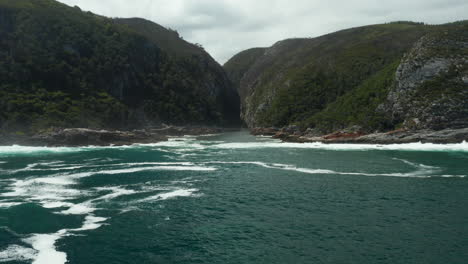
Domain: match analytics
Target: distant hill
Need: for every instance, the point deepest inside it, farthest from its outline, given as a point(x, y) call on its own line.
point(377, 77)
point(61, 67)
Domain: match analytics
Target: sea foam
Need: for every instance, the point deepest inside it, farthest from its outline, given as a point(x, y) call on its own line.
point(171, 195)
point(17, 253)
point(461, 147)
point(19, 150)
point(43, 249)
point(422, 171)
point(44, 244)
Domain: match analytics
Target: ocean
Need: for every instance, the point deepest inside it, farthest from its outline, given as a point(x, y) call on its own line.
point(234, 198)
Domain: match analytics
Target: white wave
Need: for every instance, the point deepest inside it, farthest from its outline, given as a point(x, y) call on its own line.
point(91, 222)
point(79, 209)
point(422, 171)
point(44, 244)
point(55, 180)
point(42, 187)
point(278, 166)
point(186, 144)
point(154, 163)
point(33, 167)
point(17, 253)
point(115, 192)
point(453, 176)
point(64, 168)
point(44, 250)
point(88, 207)
point(171, 195)
point(9, 204)
point(50, 192)
point(416, 165)
point(181, 144)
point(461, 147)
point(32, 190)
point(21, 150)
point(156, 168)
point(15, 149)
point(54, 163)
point(55, 204)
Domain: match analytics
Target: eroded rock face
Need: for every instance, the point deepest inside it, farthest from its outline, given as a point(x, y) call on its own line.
point(430, 90)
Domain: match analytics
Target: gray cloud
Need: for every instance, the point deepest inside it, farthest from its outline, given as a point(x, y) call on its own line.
point(225, 27)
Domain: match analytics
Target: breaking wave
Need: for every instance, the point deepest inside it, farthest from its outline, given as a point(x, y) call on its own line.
point(422, 171)
point(463, 147)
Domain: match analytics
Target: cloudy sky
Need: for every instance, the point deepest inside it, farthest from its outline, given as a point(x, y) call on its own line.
point(225, 27)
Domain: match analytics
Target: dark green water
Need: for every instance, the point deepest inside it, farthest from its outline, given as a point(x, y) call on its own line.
point(234, 198)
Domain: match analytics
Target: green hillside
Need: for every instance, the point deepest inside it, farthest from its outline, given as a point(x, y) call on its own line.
point(61, 67)
point(331, 82)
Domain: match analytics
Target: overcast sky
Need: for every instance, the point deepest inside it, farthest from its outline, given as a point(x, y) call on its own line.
point(225, 27)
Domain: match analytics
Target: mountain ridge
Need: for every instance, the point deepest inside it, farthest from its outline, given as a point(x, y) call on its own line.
point(339, 80)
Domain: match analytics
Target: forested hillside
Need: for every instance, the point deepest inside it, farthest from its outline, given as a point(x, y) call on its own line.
point(350, 79)
point(62, 67)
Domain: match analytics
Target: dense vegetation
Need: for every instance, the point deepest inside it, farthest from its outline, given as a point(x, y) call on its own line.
point(358, 106)
point(63, 67)
point(334, 81)
point(240, 64)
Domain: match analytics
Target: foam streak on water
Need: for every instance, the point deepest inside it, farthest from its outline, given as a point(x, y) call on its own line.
point(171, 195)
point(57, 191)
point(348, 147)
point(91, 184)
point(422, 171)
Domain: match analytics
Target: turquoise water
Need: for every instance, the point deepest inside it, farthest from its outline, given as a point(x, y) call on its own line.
point(234, 198)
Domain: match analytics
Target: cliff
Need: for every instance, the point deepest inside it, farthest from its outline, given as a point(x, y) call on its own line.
point(61, 67)
point(431, 82)
point(374, 78)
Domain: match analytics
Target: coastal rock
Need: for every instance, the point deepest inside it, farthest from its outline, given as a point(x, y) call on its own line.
point(261, 131)
point(87, 137)
point(430, 91)
point(181, 131)
point(91, 137)
point(400, 136)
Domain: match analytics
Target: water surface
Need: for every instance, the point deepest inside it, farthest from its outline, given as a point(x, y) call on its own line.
point(234, 198)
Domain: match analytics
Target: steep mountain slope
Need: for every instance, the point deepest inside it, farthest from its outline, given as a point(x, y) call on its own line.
point(63, 67)
point(237, 66)
point(344, 79)
point(209, 71)
point(431, 83)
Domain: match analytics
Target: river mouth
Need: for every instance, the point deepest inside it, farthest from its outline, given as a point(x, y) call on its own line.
point(234, 198)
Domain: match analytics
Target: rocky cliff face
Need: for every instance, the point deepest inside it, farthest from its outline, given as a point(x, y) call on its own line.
point(374, 78)
point(238, 66)
point(296, 79)
point(431, 89)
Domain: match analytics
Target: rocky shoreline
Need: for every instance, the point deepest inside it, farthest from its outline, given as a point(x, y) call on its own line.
point(401, 136)
point(77, 137)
